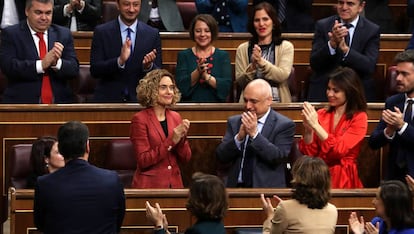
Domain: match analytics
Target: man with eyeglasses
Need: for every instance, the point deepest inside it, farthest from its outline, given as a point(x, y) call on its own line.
point(346, 39)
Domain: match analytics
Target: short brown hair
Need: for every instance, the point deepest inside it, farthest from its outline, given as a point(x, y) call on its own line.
point(208, 197)
point(147, 89)
point(211, 23)
point(311, 182)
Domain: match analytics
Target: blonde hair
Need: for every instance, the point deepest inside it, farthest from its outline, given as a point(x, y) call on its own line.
point(147, 89)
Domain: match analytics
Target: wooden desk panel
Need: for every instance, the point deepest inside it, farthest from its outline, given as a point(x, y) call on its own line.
point(245, 208)
point(24, 123)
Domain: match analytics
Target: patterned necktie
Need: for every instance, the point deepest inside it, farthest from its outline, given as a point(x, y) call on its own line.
point(129, 31)
point(408, 111)
point(46, 91)
point(282, 11)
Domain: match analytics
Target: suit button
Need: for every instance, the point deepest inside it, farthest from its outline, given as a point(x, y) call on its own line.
point(169, 167)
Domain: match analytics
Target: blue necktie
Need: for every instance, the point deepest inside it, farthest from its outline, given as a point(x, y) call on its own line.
point(129, 30)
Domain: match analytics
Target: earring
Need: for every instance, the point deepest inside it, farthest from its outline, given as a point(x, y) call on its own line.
point(47, 165)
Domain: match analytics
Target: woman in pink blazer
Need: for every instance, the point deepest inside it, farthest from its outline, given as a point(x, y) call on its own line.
point(158, 134)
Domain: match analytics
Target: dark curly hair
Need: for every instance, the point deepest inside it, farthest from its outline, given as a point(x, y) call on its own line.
point(311, 182)
point(208, 198)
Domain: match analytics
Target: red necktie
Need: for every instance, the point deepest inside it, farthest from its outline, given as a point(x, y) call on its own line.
point(46, 92)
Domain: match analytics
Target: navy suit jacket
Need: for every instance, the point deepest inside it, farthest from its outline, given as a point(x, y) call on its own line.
point(400, 146)
point(18, 55)
point(362, 57)
point(106, 48)
point(270, 148)
point(79, 198)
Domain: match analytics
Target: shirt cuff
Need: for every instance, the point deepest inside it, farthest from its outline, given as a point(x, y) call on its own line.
point(58, 65)
point(119, 65)
point(66, 12)
point(401, 131)
point(150, 68)
point(332, 51)
point(39, 68)
point(237, 142)
point(255, 135)
point(389, 137)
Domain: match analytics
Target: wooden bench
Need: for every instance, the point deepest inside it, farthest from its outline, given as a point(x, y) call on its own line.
point(244, 211)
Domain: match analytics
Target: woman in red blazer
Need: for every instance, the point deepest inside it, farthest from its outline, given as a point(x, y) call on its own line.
point(335, 133)
point(158, 134)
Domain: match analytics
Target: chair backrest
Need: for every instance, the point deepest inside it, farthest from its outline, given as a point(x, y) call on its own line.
point(188, 11)
point(390, 81)
point(293, 156)
point(121, 158)
point(20, 167)
point(84, 85)
point(109, 11)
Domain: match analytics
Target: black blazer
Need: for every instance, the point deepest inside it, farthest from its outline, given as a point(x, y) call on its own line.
point(362, 57)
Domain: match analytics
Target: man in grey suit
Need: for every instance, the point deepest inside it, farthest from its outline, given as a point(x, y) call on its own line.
point(78, 198)
point(257, 143)
point(348, 40)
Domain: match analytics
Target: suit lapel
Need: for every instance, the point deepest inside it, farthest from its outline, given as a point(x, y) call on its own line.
point(358, 34)
point(51, 38)
point(31, 47)
point(269, 124)
point(156, 124)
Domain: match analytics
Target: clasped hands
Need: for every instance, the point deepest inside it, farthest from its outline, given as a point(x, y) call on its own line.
point(309, 116)
point(181, 131)
point(393, 119)
point(248, 125)
point(52, 56)
point(155, 216)
point(267, 205)
point(75, 4)
point(203, 67)
point(337, 36)
point(359, 226)
point(256, 57)
point(149, 58)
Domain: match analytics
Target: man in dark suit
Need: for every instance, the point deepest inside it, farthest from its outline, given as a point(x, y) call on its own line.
point(396, 126)
point(123, 51)
point(21, 60)
point(257, 143)
point(346, 39)
point(78, 198)
point(77, 15)
point(11, 12)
